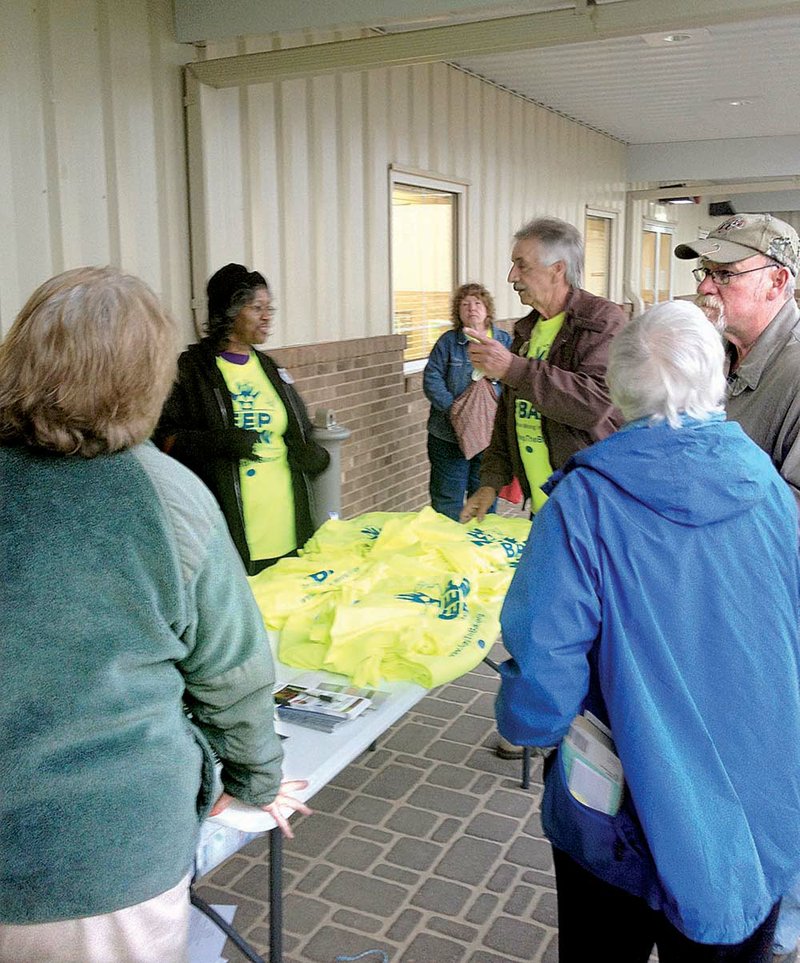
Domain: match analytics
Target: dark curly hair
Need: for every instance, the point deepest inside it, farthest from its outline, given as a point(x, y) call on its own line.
point(479, 291)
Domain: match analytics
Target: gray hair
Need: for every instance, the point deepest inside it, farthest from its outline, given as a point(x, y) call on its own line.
point(666, 362)
point(559, 241)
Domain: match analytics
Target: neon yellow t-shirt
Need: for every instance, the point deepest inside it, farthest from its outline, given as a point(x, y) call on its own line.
point(266, 483)
point(532, 447)
point(421, 600)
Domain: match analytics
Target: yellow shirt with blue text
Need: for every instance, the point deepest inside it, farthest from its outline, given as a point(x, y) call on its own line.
point(266, 481)
point(532, 447)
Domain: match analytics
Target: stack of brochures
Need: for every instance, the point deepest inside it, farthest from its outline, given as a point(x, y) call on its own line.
point(592, 767)
point(322, 709)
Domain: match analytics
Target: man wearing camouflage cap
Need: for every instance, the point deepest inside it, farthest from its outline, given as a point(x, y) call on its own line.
point(748, 267)
point(747, 272)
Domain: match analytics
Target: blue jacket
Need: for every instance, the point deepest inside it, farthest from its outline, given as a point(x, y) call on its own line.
point(448, 374)
point(659, 588)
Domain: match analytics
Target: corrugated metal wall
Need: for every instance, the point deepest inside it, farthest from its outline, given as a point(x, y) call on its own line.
point(289, 177)
point(292, 178)
point(92, 157)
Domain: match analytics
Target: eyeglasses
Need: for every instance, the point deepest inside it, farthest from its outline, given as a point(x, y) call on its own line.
point(268, 310)
point(722, 278)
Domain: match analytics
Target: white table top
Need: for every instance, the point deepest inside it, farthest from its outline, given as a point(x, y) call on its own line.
point(308, 754)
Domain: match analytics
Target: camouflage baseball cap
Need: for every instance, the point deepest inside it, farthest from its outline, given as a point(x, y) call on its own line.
point(744, 235)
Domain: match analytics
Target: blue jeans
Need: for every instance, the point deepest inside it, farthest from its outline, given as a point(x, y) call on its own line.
point(452, 476)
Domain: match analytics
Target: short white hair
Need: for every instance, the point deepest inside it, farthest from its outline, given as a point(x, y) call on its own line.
point(668, 362)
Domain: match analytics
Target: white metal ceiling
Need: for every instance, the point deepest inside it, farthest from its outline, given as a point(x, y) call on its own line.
point(672, 103)
point(642, 93)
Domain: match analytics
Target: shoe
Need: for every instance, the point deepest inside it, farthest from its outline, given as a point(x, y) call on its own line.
point(785, 957)
point(507, 750)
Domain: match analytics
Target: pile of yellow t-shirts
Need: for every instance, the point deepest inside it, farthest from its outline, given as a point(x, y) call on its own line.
point(393, 595)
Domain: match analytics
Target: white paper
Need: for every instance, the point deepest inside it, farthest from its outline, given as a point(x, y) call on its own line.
point(206, 939)
point(589, 787)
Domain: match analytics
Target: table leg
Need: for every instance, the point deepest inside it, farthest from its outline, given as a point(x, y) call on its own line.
point(526, 767)
point(526, 750)
point(275, 896)
point(233, 935)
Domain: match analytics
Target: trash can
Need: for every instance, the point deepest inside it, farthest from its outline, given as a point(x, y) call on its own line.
point(328, 485)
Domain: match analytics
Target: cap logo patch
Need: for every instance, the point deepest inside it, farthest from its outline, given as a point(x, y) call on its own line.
point(732, 225)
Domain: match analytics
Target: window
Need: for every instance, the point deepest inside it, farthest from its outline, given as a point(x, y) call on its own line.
point(425, 249)
point(656, 270)
point(597, 244)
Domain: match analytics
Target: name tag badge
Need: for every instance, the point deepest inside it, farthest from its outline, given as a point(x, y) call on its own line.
point(285, 376)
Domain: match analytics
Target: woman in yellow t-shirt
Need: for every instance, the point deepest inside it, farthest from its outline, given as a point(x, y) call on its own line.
point(235, 419)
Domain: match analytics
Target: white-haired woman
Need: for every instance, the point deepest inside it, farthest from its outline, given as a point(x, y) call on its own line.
point(658, 593)
point(124, 605)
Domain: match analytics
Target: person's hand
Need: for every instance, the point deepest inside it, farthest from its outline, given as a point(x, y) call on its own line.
point(282, 801)
point(478, 505)
point(489, 355)
point(235, 443)
point(311, 459)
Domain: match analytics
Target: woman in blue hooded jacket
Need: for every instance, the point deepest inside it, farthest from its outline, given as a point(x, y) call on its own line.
point(658, 593)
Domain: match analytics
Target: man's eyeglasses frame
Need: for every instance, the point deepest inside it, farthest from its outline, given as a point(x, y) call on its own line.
point(721, 277)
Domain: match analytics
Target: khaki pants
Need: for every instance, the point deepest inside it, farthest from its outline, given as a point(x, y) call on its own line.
point(156, 931)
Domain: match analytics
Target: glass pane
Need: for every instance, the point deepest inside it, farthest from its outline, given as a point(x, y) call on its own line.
point(648, 272)
point(664, 267)
point(598, 254)
point(423, 265)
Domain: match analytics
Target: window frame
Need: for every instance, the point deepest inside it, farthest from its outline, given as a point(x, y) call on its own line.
point(613, 260)
point(661, 229)
point(399, 175)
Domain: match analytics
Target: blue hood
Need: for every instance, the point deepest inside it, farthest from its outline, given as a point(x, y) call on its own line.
point(675, 472)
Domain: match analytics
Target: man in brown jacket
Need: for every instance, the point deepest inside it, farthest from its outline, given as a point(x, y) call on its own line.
point(555, 400)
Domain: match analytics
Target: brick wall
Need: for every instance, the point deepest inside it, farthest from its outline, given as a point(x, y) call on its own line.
point(384, 462)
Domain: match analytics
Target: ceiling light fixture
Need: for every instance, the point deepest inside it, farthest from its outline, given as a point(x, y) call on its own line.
point(676, 37)
point(683, 199)
point(735, 101)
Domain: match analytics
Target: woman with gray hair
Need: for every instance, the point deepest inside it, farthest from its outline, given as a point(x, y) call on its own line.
point(134, 655)
point(668, 364)
point(652, 624)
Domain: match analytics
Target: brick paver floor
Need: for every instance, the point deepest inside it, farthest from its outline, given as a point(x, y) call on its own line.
point(426, 848)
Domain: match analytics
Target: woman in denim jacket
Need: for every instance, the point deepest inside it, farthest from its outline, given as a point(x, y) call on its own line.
point(447, 375)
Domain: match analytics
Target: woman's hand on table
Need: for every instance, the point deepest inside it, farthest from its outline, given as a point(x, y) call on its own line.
point(284, 800)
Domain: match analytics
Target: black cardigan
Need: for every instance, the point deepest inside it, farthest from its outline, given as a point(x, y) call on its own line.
point(200, 404)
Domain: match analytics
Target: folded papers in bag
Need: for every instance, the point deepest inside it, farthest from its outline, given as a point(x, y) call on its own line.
point(592, 767)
